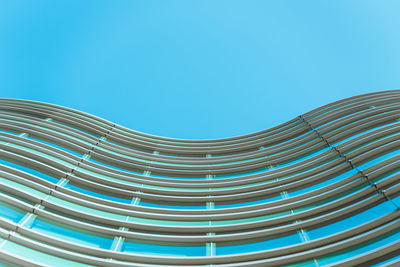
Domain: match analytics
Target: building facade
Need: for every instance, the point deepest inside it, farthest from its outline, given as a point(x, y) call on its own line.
point(322, 189)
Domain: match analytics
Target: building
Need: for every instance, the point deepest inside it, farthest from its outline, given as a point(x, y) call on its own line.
point(321, 189)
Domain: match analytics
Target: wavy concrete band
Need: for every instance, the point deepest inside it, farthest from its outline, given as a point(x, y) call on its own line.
point(322, 189)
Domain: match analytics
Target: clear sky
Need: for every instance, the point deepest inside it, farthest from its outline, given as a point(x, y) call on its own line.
point(197, 68)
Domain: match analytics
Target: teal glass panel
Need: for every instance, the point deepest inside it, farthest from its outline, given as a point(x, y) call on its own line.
point(7, 132)
point(391, 261)
point(56, 146)
point(4, 263)
point(71, 234)
point(353, 221)
point(378, 160)
point(289, 140)
point(303, 264)
point(85, 209)
point(38, 256)
point(113, 167)
point(30, 171)
point(167, 222)
point(176, 178)
point(303, 157)
point(396, 201)
point(242, 204)
point(236, 174)
point(95, 194)
point(11, 213)
point(75, 128)
point(376, 243)
point(163, 206)
point(166, 249)
point(362, 133)
point(226, 248)
point(324, 183)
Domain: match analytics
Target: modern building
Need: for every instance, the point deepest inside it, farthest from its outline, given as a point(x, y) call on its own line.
point(322, 189)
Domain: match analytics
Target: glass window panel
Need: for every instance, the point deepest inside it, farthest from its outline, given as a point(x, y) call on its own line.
point(164, 248)
point(324, 183)
point(38, 256)
point(303, 264)
point(393, 236)
point(56, 146)
point(236, 174)
point(378, 160)
point(10, 212)
point(23, 188)
point(353, 221)
point(30, 171)
point(83, 170)
point(68, 233)
point(303, 157)
point(241, 204)
point(95, 194)
point(113, 167)
point(75, 128)
point(389, 261)
point(164, 206)
point(284, 241)
point(56, 159)
point(84, 209)
point(353, 191)
point(251, 219)
point(4, 263)
point(167, 222)
point(396, 201)
point(362, 133)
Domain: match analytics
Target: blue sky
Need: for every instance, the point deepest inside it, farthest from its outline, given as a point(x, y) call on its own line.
point(197, 69)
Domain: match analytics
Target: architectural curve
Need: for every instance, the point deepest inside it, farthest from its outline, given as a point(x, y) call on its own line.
point(322, 189)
